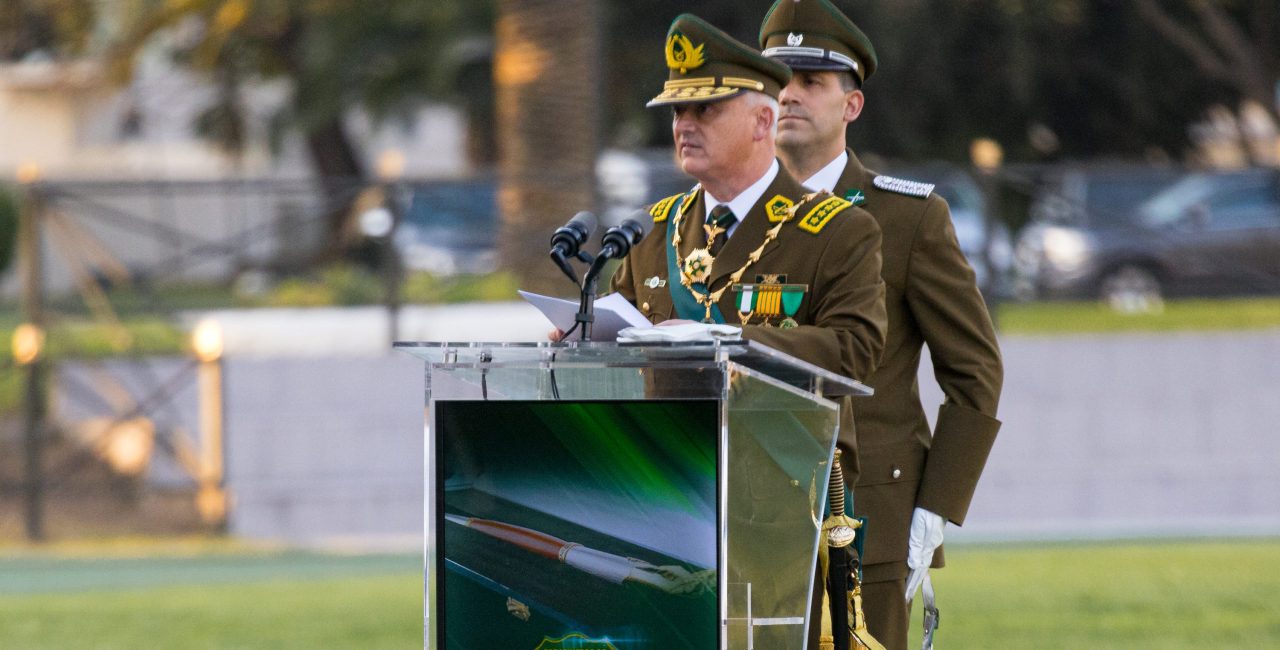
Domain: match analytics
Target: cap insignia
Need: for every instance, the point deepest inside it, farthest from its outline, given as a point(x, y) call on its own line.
point(902, 186)
point(682, 55)
point(794, 40)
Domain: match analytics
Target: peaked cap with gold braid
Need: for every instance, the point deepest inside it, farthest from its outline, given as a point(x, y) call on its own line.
point(815, 35)
point(708, 65)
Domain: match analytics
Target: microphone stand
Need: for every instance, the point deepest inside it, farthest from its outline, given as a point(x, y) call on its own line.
point(586, 316)
point(617, 243)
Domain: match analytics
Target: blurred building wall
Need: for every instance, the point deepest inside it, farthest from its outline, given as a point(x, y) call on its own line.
point(68, 119)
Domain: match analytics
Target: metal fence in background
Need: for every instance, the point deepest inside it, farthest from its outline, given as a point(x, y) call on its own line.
point(98, 425)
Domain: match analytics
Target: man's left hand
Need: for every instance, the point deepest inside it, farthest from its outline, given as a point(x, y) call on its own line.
point(925, 538)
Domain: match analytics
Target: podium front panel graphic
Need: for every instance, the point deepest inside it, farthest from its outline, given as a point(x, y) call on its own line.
point(622, 496)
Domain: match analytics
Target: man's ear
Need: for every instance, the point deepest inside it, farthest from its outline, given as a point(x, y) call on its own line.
point(853, 102)
point(765, 117)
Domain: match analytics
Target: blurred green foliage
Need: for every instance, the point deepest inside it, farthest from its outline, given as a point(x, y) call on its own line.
point(1095, 73)
point(1102, 77)
point(337, 285)
point(349, 285)
point(384, 57)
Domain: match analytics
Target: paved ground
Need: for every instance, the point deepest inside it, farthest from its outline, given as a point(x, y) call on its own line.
point(1134, 434)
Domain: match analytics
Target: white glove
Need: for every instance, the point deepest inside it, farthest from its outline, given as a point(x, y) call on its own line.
point(925, 538)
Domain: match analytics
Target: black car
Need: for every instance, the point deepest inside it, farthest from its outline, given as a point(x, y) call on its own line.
point(1209, 234)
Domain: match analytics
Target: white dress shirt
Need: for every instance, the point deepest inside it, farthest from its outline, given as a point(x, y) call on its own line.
point(743, 202)
point(827, 177)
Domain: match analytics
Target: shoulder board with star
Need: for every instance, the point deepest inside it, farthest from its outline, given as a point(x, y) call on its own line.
point(662, 209)
point(820, 214)
point(903, 186)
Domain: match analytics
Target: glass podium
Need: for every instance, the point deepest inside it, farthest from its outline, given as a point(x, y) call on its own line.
point(616, 495)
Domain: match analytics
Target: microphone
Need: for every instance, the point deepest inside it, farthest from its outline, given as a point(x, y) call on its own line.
point(619, 239)
point(567, 239)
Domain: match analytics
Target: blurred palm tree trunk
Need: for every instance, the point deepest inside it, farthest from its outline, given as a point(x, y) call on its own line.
point(547, 78)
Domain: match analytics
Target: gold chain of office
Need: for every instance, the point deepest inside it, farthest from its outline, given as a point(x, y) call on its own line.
point(702, 259)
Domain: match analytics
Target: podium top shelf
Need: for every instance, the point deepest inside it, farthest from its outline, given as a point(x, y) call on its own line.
point(761, 358)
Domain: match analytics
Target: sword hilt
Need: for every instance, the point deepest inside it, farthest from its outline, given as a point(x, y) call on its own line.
point(835, 486)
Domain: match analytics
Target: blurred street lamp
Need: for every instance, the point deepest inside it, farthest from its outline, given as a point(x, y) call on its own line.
point(28, 173)
point(27, 343)
point(987, 155)
point(380, 222)
point(211, 498)
point(376, 223)
point(206, 340)
point(391, 165)
point(129, 445)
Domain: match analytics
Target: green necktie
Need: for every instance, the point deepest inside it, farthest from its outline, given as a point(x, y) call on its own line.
point(723, 217)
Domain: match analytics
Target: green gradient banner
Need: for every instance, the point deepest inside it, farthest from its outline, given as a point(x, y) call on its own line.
point(577, 525)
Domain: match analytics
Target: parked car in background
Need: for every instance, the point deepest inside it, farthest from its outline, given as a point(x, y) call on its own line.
point(1209, 234)
point(1077, 198)
point(450, 227)
point(1093, 196)
point(630, 180)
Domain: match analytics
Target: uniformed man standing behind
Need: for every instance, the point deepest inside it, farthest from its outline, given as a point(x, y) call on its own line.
point(748, 245)
point(911, 482)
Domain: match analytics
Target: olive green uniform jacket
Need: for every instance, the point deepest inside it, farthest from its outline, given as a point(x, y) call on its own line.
point(842, 316)
point(931, 298)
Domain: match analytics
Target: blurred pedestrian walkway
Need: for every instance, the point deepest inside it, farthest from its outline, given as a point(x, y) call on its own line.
point(363, 331)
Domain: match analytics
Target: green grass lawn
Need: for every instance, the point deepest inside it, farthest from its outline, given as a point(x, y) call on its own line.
point(290, 600)
point(1052, 318)
point(1166, 595)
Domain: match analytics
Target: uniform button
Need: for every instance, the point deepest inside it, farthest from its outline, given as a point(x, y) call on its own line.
point(897, 473)
point(645, 306)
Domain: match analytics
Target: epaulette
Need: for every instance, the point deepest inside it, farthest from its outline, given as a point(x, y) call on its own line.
point(660, 209)
point(820, 215)
point(903, 186)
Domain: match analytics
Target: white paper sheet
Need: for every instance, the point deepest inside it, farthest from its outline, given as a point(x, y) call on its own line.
point(613, 314)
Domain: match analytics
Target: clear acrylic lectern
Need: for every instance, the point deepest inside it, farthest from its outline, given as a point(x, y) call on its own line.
point(615, 495)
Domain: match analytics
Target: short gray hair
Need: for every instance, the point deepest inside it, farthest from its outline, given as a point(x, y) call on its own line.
point(755, 99)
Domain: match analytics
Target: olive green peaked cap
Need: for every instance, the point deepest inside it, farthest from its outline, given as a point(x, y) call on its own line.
point(815, 35)
point(707, 65)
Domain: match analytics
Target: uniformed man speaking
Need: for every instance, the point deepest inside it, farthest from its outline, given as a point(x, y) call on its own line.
point(748, 245)
point(911, 482)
